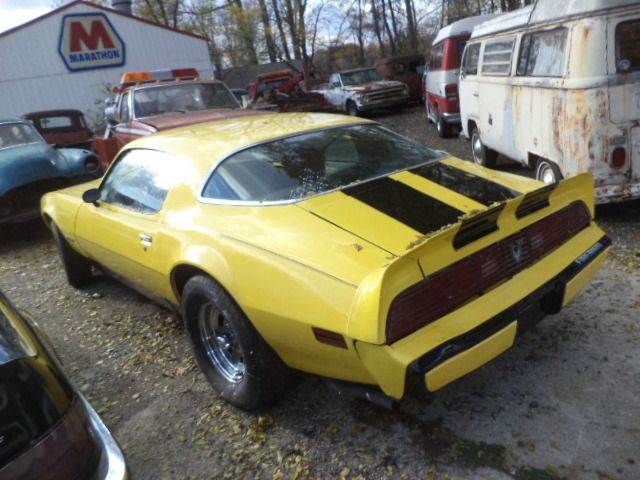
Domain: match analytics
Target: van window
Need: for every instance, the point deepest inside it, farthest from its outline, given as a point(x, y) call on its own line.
point(542, 53)
point(436, 57)
point(471, 58)
point(497, 57)
point(628, 46)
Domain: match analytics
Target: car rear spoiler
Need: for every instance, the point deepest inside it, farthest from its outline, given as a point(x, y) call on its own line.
point(452, 243)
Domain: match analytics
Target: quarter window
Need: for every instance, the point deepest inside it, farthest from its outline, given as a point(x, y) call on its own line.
point(471, 59)
point(497, 57)
point(542, 54)
point(140, 181)
point(628, 46)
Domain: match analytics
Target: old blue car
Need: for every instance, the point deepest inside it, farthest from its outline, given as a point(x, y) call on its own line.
point(29, 168)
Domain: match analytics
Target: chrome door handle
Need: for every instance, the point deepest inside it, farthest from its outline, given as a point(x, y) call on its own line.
point(146, 239)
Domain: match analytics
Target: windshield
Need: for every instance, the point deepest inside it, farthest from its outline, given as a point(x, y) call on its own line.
point(304, 165)
point(15, 134)
point(188, 97)
point(360, 76)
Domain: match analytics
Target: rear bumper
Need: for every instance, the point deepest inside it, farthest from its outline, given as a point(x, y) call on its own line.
point(481, 330)
point(112, 463)
point(617, 193)
point(452, 118)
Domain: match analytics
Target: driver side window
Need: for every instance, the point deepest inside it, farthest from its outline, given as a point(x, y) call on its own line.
point(140, 181)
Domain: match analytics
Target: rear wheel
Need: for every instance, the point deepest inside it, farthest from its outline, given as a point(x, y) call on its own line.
point(238, 363)
point(547, 171)
point(76, 267)
point(352, 109)
point(482, 155)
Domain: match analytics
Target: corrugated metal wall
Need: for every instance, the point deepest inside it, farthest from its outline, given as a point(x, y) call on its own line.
point(34, 77)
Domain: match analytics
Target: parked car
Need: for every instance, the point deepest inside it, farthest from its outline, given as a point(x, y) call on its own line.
point(407, 69)
point(62, 128)
point(363, 90)
point(152, 101)
point(556, 88)
point(285, 91)
point(442, 105)
point(29, 167)
point(48, 430)
point(331, 245)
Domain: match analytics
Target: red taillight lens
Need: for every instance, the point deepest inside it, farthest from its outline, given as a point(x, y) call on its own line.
point(451, 90)
point(92, 164)
point(450, 288)
point(619, 157)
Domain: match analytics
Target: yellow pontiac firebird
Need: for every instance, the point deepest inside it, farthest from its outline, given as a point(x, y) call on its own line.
point(331, 245)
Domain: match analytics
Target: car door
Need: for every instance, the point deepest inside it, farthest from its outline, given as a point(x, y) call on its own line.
point(334, 94)
point(468, 86)
point(119, 231)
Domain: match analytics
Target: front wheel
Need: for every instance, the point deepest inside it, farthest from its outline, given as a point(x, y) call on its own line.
point(352, 109)
point(483, 156)
point(547, 171)
point(237, 362)
point(76, 267)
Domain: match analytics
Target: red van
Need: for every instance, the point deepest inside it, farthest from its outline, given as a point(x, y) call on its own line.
point(441, 83)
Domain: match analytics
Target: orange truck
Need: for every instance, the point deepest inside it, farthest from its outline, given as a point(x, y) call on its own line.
point(150, 101)
point(285, 91)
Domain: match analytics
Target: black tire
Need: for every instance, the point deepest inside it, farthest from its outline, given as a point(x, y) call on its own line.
point(238, 363)
point(442, 127)
point(76, 267)
point(482, 155)
point(352, 109)
point(547, 171)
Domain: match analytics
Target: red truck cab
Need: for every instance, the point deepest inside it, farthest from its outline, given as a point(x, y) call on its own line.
point(148, 102)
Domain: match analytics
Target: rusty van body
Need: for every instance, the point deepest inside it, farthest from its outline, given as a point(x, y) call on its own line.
point(557, 87)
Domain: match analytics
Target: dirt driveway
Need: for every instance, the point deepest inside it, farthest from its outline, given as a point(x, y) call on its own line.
point(564, 402)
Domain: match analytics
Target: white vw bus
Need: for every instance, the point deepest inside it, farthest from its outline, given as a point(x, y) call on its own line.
point(556, 86)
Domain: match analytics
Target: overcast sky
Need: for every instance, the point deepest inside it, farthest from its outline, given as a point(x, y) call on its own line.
point(15, 12)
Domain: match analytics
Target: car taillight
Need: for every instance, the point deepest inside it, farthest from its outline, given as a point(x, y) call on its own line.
point(451, 90)
point(92, 164)
point(444, 291)
point(618, 157)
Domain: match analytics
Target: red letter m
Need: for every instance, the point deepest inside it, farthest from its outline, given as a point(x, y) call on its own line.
point(98, 34)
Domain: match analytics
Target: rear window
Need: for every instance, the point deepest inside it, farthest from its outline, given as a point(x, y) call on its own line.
point(12, 347)
point(497, 57)
point(436, 57)
point(628, 46)
point(15, 134)
point(542, 54)
point(296, 167)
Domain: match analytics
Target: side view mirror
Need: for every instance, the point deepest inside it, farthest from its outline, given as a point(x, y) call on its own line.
point(91, 196)
point(110, 115)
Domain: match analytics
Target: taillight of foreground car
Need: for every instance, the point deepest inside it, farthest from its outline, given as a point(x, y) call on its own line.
point(92, 164)
point(451, 91)
point(450, 288)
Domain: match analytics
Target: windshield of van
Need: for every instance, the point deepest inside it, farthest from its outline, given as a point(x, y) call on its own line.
point(16, 134)
point(360, 76)
point(188, 97)
point(628, 46)
point(311, 163)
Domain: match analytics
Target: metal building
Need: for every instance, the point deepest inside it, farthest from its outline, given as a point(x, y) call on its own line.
point(73, 55)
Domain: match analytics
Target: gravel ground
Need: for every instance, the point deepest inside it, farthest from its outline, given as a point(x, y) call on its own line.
point(563, 403)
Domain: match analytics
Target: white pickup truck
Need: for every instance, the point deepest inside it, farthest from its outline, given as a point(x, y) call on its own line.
point(363, 89)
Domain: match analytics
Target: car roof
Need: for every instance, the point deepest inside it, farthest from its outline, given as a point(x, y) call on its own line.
point(52, 113)
point(13, 120)
point(206, 144)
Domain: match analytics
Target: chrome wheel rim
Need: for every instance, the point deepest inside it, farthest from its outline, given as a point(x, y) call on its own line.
point(547, 175)
point(220, 343)
point(476, 146)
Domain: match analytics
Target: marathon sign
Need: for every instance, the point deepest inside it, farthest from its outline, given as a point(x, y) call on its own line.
point(88, 41)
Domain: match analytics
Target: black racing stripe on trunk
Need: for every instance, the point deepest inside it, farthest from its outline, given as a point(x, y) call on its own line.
point(405, 204)
point(477, 188)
